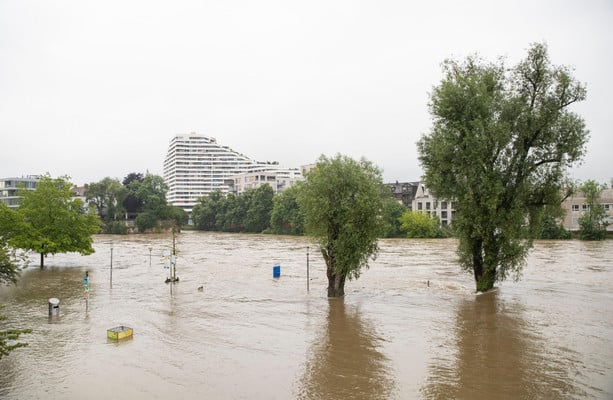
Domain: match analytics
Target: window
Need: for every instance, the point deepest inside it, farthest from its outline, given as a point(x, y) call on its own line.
point(444, 205)
point(444, 214)
point(427, 205)
point(607, 207)
point(419, 206)
point(584, 207)
point(575, 207)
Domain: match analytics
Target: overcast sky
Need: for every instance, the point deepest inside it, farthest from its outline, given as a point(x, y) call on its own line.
point(92, 89)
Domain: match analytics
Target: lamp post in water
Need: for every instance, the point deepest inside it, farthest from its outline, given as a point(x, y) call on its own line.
point(111, 276)
point(307, 268)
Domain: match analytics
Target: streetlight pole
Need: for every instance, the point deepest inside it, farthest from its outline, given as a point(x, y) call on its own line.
point(111, 276)
point(307, 268)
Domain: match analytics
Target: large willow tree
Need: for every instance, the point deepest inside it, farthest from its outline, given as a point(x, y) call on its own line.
point(500, 145)
point(342, 202)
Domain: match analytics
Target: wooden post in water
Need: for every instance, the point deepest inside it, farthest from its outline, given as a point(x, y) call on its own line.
point(307, 268)
point(174, 257)
point(111, 275)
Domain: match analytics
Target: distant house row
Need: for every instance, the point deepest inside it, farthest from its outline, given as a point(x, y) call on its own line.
point(416, 197)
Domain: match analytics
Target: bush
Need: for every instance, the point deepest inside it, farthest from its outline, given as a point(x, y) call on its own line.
point(145, 221)
point(115, 228)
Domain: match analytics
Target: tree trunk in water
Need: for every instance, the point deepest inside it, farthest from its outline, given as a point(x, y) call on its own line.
point(484, 277)
point(336, 285)
point(485, 281)
point(336, 282)
point(42, 260)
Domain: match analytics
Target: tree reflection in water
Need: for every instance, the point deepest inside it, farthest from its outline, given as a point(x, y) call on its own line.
point(498, 357)
point(345, 362)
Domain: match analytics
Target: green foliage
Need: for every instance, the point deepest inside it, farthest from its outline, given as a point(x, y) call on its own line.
point(9, 259)
point(500, 144)
point(152, 193)
point(248, 212)
point(9, 337)
point(551, 228)
point(259, 209)
point(9, 269)
point(207, 210)
point(177, 215)
point(51, 221)
point(286, 217)
point(418, 224)
point(115, 228)
point(342, 201)
point(593, 222)
point(146, 221)
point(138, 196)
point(131, 203)
point(107, 196)
point(392, 211)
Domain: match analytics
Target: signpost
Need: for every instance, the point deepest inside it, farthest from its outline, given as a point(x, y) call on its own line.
point(86, 289)
point(111, 265)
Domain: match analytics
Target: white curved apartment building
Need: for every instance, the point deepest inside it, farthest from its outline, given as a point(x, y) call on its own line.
point(197, 165)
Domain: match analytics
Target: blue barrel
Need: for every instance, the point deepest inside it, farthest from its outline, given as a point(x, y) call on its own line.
point(276, 271)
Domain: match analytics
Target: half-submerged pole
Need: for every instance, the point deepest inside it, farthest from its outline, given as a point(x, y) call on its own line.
point(307, 268)
point(111, 274)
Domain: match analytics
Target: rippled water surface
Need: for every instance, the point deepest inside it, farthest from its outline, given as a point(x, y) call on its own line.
point(410, 327)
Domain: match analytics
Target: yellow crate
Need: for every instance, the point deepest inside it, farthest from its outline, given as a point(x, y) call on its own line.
point(119, 332)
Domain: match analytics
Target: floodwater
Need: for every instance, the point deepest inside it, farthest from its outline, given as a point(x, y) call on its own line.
point(411, 327)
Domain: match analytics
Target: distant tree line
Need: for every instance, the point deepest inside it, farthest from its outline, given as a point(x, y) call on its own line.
point(262, 211)
point(137, 197)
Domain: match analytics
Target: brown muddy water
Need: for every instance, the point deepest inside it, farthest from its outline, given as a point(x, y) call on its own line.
point(246, 335)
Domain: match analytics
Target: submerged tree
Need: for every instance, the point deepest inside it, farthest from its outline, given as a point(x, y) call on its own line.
point(593, 221)
point(500, 145)
point(342, 203)
point(53, 221)
point(9, 337)
point(10, 261)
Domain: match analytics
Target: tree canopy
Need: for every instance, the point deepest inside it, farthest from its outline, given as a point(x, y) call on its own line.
point(107, 196)
point(52, 221)
point(286, 217)
point(593, 222)
point(342, 201)
point(418, 224)
point(500, 145)
point(247, 212)
point(10, 261)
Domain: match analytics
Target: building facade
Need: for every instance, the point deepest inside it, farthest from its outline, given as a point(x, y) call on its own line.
point(278, 180)
point(425, 202)
point(10, 188)
point(404, 192)
point(196, 165)
point(576, 205)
